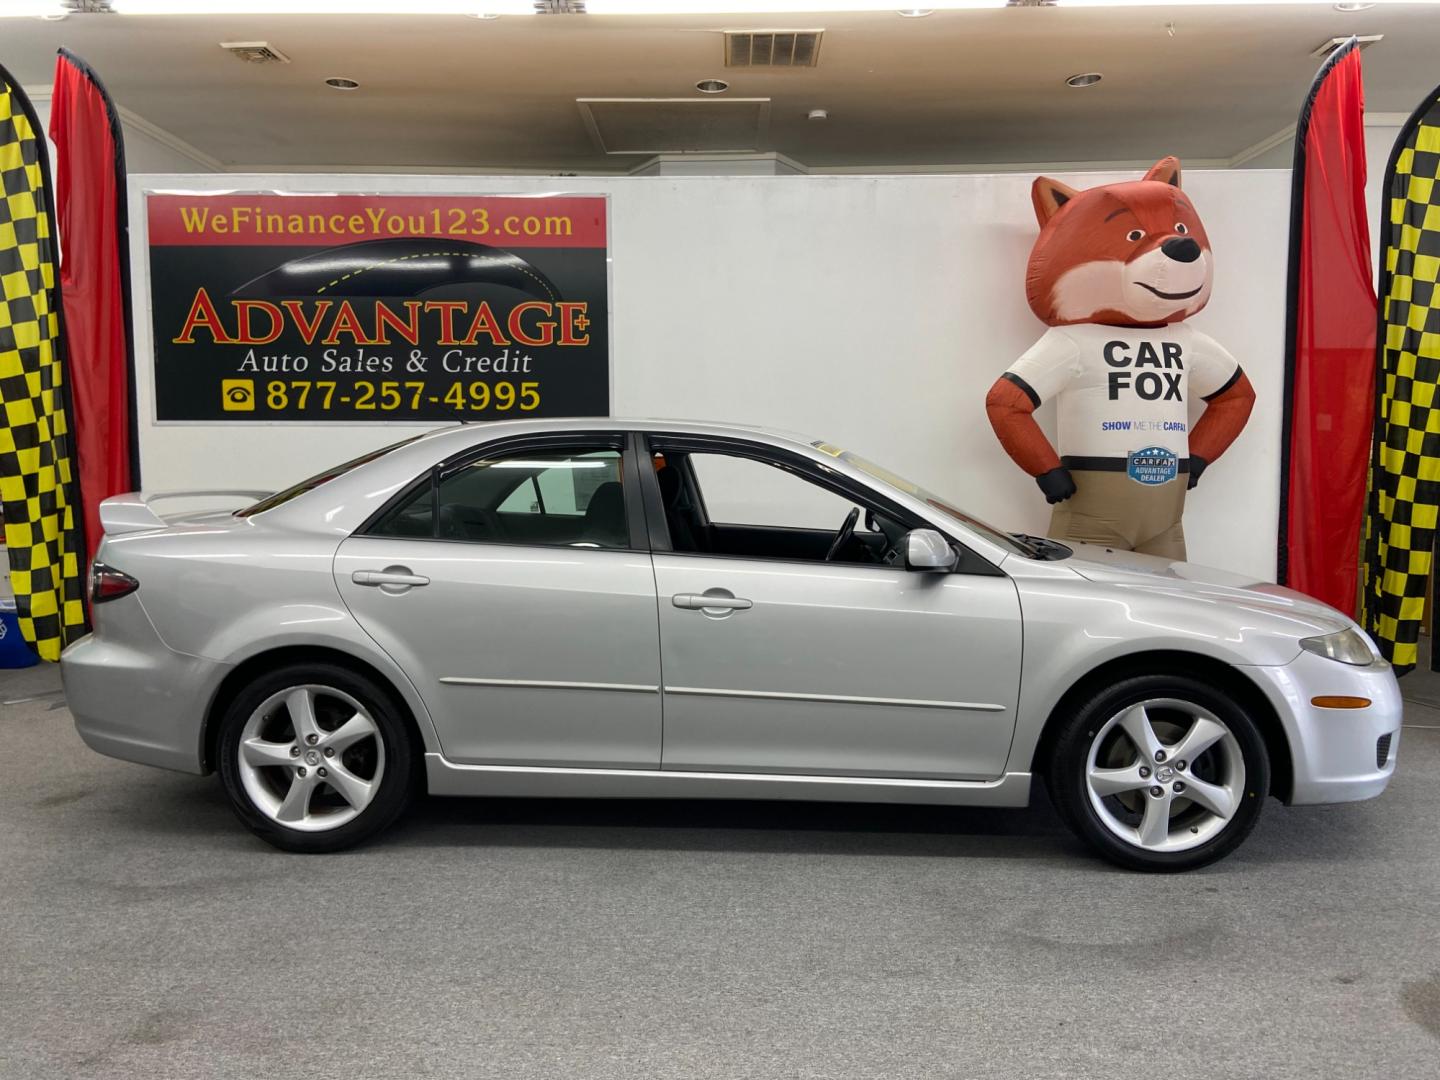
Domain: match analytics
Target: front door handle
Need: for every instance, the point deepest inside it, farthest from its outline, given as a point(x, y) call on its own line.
point(392, 576)
point(711, 601)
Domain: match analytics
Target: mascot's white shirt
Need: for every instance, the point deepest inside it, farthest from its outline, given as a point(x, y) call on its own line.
point(1123, 389)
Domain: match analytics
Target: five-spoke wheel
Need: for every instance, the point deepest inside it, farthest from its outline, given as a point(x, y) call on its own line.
point(311, 757)
point(1165, 774)
point(1160, 772)
point(315, 758)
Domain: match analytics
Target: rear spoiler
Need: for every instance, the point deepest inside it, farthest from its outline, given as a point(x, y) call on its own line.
point(132, 511)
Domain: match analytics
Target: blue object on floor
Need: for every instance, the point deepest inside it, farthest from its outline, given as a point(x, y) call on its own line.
point(14, 653)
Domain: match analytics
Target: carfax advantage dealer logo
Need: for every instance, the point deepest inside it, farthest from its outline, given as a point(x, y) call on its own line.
point(355, 307)
point(1153, 465)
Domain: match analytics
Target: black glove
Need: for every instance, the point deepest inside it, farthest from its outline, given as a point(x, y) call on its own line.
point(1056, 484)
point(1197, 466)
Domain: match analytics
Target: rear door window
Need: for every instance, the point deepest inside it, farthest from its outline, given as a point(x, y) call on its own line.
point(553, 497)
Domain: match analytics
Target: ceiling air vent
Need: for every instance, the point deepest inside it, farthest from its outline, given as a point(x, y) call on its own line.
point(772, 48)
point(1325, 48)
point(255, 52)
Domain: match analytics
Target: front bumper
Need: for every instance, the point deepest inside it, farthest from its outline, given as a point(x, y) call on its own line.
point(132, 696)
point(1334, 751)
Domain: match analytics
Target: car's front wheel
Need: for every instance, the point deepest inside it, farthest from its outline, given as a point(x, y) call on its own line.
point(1160, 772)
point(315, 758)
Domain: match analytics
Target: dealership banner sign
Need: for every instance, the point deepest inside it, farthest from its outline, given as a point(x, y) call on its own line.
point(272, 307)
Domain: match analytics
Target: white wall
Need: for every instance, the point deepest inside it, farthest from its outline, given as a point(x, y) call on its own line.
point(874, 312)
point(148, 148)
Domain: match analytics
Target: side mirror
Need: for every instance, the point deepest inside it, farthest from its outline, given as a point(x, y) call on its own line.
point(929, 552)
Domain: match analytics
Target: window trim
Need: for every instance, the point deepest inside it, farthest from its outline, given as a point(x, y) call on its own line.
point(970, 562)
point(656, 531)
point(516, 444)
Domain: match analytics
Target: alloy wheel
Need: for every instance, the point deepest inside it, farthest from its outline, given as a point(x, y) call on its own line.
point(1165, 775)
point(311, 758)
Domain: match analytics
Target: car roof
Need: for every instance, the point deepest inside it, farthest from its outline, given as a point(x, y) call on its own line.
point(458, 437)
point(505, 428)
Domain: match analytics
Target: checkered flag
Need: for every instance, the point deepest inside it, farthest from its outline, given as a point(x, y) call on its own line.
point(1405, 470)
point(37, 488)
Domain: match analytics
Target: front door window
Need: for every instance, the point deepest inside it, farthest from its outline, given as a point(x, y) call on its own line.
point(729, 504)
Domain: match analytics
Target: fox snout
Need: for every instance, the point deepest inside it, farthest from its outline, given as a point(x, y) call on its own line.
point(1182, 249)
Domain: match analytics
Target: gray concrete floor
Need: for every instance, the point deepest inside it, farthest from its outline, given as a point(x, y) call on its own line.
point(143, 933)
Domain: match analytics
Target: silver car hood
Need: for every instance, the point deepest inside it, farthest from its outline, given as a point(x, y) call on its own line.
point(1165, 576)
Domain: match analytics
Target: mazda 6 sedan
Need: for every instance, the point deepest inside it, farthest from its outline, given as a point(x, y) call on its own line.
point(604, 608)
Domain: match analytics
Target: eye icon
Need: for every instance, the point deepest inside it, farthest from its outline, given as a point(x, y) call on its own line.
point(237, 395)
point(1134, 234)
point(1180, 228)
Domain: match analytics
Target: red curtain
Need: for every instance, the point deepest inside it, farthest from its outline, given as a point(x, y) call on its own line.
point(1330, 362)
point(94, 276)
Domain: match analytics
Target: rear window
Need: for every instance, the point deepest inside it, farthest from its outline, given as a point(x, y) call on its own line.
point(272, 501)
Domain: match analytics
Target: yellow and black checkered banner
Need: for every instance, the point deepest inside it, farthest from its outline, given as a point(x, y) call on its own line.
point(1405, 473)
point(37, 487)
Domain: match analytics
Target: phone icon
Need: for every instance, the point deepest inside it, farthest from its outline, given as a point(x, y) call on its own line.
point(237, 395)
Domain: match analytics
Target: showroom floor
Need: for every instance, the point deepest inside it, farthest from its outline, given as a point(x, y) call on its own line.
point(144, 934)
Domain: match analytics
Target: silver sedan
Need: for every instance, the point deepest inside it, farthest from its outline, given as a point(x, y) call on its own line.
point(646, 609)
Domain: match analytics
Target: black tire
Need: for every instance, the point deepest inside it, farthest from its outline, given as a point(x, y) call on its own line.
point(398, 780)
point(1067, 767)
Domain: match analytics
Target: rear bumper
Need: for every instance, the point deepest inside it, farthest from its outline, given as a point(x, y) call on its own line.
point(134, 698)
point(1334, 751)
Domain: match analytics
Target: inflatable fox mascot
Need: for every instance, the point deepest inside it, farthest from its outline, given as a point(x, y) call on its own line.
point(1115, 272)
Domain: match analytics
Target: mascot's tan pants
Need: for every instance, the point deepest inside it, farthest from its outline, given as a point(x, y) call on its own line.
point(1109, 508)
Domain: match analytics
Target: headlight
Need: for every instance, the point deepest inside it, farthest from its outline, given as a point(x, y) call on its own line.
point(1348, 646)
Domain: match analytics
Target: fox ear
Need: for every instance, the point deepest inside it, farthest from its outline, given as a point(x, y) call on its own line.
point(1049, 196)
point(1166, 170)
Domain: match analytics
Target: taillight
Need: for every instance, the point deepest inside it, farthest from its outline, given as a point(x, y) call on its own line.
point(107, 583)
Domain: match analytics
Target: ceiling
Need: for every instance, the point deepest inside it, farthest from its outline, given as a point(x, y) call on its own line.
point(959, 87)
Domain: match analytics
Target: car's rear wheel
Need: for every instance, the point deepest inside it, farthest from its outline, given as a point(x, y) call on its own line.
point(315, 758)
point(1160, 773)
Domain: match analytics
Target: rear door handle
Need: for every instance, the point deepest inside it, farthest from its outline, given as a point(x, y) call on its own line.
point(391, 575)
point(709, 601)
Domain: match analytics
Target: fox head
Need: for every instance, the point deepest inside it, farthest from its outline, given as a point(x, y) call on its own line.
point(1131, 254)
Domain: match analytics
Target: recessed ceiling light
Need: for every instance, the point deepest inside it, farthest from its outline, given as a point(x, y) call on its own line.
point(1355, 5)
point(487, 16)
point(712, 86)
point(1089, 78)
point(915, 12)
point(342, 84)
point(818, 114)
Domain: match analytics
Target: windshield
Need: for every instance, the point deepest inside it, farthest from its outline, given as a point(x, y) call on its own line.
point(899, 483)
point(272, 501)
